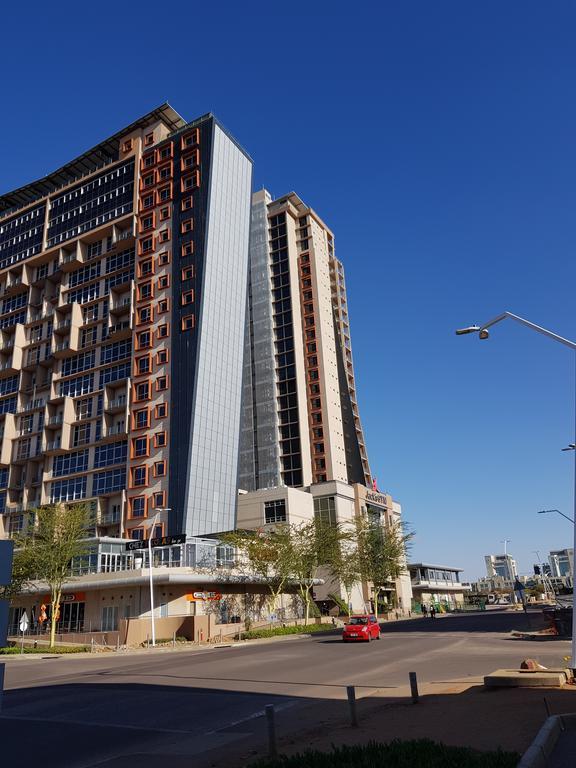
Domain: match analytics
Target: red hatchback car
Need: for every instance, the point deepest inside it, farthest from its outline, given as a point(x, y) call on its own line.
point(364, 627)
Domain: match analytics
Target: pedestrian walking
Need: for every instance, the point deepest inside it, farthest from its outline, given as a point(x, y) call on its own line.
point(432, 612)
point(424, 610)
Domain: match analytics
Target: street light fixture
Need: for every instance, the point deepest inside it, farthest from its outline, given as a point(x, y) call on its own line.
point(483, 333)
point(545, 512)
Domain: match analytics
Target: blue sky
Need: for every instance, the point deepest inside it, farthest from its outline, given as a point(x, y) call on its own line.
point(437, 140)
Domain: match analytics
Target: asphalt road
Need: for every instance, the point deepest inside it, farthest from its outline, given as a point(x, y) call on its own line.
point(188, 702)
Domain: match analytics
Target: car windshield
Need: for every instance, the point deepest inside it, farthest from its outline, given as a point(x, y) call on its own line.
point(358, 620)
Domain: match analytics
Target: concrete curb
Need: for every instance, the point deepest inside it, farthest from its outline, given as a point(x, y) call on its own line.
point(539, 752)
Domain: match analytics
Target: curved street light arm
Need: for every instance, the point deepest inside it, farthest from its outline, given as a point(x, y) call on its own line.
point(528, 324)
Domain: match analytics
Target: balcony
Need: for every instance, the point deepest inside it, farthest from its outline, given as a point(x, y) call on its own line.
point(118, 404)
point(117, 429)
point(120, 330)
point(63, 325)
point(110, 518)
point(55, 421)
point(53, 446)
point(121, 305)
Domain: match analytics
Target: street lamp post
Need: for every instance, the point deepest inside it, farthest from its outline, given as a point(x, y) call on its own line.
point(152, 620)
point(483, 333)
point(545, 512)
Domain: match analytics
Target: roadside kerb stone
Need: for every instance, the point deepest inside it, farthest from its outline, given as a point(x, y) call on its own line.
point(527, 678)
point(540, 751)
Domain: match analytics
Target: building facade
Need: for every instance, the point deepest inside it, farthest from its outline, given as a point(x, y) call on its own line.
point(437, 585)
point(122, 300)
point(561, 563)
point(300, 419)
point(503, 566)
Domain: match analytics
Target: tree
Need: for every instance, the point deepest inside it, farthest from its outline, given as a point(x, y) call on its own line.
point(59, 535)
point(314, 545)
point(347, 568)
point(382, 552)
point(23, 572)
point(268, 554)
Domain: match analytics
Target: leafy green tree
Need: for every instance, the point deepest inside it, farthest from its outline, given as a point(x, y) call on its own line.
point(47, 549)
point(382, 552)
point(347, 568)
point(267, 552)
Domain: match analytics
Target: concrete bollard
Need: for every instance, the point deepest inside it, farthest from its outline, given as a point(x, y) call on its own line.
point(271, 725)
point(351, 693)
point(174, 640)
point(414, 687)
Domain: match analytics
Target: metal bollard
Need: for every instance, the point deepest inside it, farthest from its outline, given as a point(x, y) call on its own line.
point(174, 640)
point(269, 709)
point(413, 687)
point(351, 692)
point(91, 645)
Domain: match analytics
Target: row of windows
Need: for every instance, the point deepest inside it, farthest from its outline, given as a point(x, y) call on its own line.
point(15, 302)
point(117, 351)
point(89, 272)
point(9, 385)
point(8, 405)
point(78, 363)
point(111, 453)
point(70, 463)
point(120, 260)
point(82, 385)
point(114, 373)
point(109, 482)
point(119, 279)
point(21, 236)
point(19, 317)
point(82, 295)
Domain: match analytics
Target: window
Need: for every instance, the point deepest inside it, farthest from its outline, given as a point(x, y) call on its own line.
point(139, 476)
point(149, 139)
point(163, 282)
point(190, 139)
point(160, 469)
point(187, 298)
point(164, 213)
point(144, 339)
point(81, 434)
point(146, 245)
point(187, 322)
point(148, 160)
point(140, 447)
point(165, 152)
point(142, 391)
point(84, 408)
point(143, 365)
point(145, 268)
point(161, 411)
point(160, 440)
point(117, 351)
point(325, 509)
point(165, 193)
point(147, 222)
point(68, 490)
point(159, 499)
point(187, 226)
point(163, 306)
point(144, 315)
point(164, 236)
point(70, 463)
point(141, 418)
point(111, 453)
point(190, 160)
point(187, 273)
point(186, 203)
point(275, 511)
point(144, 291)
point(163, 331)
point(148, 180)
point(161, 383)
point(127, 146)
point(188, 249)
point(138, 509)
point(188, 183)
point(161, 356)
point(164, 258)
point(165, 172)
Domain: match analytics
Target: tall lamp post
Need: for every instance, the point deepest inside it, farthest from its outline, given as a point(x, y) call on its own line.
point(150, 532)
point(483, 333)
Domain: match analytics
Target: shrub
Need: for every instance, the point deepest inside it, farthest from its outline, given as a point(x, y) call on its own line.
point(13, 650)
point(255, 634)
point(396, 754)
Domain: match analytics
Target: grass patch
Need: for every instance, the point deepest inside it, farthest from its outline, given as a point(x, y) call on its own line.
point(14, 650)
point(255, 634)
point(396, 754)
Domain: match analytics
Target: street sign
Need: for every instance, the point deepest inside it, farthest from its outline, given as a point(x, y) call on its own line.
point(161, 541)
point(24, 622)
point(203, 596)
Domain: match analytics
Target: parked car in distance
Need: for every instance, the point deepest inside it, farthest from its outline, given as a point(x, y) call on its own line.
point(363, 627)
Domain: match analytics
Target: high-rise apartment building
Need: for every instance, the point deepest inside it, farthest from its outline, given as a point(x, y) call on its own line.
point(501, 565)
point(122, 311)
point(300, 420)
point(561, 562)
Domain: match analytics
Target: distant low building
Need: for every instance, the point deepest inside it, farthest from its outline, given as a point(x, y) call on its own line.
point(561, 562)
point(437, 584)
